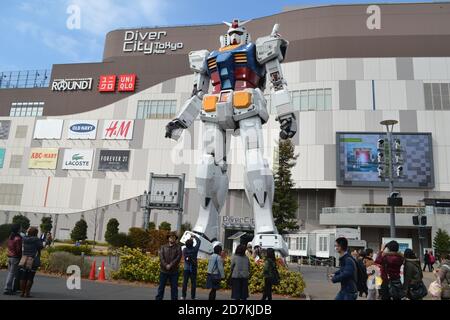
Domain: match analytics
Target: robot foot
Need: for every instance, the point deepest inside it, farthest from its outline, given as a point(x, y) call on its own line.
point(206, 246)
point(271, 240)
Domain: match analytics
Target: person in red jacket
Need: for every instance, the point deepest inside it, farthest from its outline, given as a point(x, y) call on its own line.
point(390, 261)
point(14, 254)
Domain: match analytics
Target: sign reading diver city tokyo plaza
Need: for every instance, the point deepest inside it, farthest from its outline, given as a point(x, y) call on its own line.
point(149, 42)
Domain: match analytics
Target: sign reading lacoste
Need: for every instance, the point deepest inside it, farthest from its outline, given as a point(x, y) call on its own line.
point(114, 160)
point(43, 158)
point(150, 42)
point(78, 159)
point(82, 129)
point(118, 130)
point(82, 84)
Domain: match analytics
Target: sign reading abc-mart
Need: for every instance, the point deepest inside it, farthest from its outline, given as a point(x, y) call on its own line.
point(118, 130)
point(78, 159)
point(82, 130)
point(43, 158)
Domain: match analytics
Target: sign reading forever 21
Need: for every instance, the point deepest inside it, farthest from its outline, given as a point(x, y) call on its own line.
point(82, 129)
point(150, 42)
point(82, 84)
point(114, 160)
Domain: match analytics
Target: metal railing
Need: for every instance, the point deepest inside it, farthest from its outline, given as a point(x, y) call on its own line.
point(375, 209)
point(25, 79)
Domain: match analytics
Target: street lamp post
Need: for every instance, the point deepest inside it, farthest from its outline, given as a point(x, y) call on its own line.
point(389, 124)
point(145, 206)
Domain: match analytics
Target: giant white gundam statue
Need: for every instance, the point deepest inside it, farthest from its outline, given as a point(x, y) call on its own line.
point(237, 72)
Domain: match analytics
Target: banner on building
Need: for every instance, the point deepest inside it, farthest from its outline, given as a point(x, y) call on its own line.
point(114, 160)
point(2, 157)
point(118, 130)
point(43, 158)
point(48, 129)
point(78, 159)
point(82, 129)
point(5, 126)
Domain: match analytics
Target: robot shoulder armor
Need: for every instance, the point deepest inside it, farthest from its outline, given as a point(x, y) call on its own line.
point(269, 48)
point(197, 60)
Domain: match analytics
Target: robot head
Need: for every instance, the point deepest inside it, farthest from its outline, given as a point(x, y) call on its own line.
point(236, 34)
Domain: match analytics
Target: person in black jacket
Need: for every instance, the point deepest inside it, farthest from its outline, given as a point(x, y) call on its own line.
point(30, 261)
point(347, 273)
point(190, 253)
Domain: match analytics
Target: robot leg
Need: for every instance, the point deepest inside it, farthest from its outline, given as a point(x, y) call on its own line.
point(259, 186)
point(212, 185)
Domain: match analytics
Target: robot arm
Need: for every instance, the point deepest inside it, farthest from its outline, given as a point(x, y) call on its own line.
point(270, 51)
point(192, 106)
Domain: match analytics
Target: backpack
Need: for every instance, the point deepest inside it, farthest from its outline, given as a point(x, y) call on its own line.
point(189, 257)
point(361, 277)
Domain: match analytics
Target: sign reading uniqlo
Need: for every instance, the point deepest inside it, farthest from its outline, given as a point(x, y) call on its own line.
point(107, 83)
point(127, 82)
point(118, 130)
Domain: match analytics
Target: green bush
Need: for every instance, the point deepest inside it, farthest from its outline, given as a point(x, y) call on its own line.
point(72, 249)
point(79, 232)
point(59, 261)
point(120, 240)
point(46, 224)
point(3, 258)
point(165, 226)
point(112, 228)
point(23, 221)
point(151, 226)
point(5, 231)
point(139, 238)
point(137, 266)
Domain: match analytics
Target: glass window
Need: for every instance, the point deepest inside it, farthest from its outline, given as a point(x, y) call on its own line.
point(327, 99)
point(12, 112)
point(40, 111)
point(29, 111)
point(320, 99)
point(304, 100)
point(312, 100)
point(23, 112)
point(140, 112)
point(296, 100)
point(35, 111)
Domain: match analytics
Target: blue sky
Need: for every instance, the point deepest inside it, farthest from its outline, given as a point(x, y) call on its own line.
point(35, 34)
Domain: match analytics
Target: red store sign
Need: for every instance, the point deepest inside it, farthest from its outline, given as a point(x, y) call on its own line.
point(108, 83)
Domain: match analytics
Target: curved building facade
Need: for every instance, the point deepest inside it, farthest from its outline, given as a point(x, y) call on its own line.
point(344, 77)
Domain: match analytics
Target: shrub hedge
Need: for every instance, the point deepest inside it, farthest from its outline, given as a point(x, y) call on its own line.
point(72, 249)
point(138, 266)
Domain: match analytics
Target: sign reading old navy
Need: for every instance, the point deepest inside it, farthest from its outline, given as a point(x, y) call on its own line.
point(78, 159)
point(5, 125)
point(82, 84)
point(82, 130)
point(114, 160)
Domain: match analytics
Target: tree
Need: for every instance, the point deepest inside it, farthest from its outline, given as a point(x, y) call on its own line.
point(151, 226)
point(23, 221)
point(46, 224)
point(165, 226)
point(139, 238)
point(441, 242)
point(79, 232)
point(5, 231)
point(112, 228)
point(185, 227)
point(120, 240)
point(285, 203)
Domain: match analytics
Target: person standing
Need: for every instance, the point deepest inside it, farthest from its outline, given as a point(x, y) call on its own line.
point(14, 254)
point(444, 276)
point(271, 276)
point(169, 256)
point(412, 277)
point(432, 261)
point(190, 253)
point(347, 273)
point(30, 261)
point(426, 261)
point(391, 262)
point(240, 272)
point(215, 272)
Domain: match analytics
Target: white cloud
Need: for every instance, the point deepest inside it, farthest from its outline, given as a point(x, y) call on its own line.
point(101, 16)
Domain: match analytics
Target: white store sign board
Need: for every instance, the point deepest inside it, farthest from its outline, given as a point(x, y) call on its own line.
point(82, 129)
point(78, 159)
point(48, 129)
point(118, 130)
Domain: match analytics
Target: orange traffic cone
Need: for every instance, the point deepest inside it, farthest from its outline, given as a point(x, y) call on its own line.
point(101, 275)
point(92, 274)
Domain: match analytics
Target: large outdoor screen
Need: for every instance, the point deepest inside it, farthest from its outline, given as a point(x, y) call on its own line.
point(358, 156)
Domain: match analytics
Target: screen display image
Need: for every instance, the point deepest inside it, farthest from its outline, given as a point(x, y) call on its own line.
point(359, 155)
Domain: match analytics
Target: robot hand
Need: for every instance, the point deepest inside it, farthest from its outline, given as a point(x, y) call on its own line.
point(288, 126)
point(174, 128)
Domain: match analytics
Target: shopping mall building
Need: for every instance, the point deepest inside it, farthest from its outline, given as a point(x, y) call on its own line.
point(80, 140)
